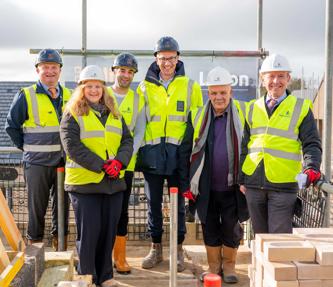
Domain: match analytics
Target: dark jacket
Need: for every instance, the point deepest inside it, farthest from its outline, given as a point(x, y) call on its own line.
point(18, 114)
point(78, 152)
point(160, 158)
point(202, 200)
point(311, 148)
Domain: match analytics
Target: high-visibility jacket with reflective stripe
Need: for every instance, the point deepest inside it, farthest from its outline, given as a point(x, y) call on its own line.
point(130, 108)
point(167, 109)
point(275, 139)
point(102, 140)
point(41, 129)
point(198, 114)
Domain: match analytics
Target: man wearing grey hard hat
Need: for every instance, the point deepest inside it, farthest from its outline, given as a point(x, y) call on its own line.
point(281, 140)
point(33, 126)
point(208, 168)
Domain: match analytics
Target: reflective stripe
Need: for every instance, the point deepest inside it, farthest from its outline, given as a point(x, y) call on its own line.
point(197, 117)
point(251, 114)
point(152, 142)
point(242, 107)
point(177, 118)
point(91, 134)
point(277, 153)
point(173, 140)
point(42, 148)
point(73, 164)
point(189, 94)
point(296, 114)
point(156, 118)
point(135, 112)
point(34, 105)
point(46, 129)
point(115, 130)
point(143, 88)
point(275, 132)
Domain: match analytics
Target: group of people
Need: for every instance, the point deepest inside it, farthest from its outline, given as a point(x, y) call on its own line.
point(230, 159)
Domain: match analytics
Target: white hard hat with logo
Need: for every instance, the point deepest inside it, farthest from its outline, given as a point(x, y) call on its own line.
point(91, 72)
point(275, 63)
point(218, 77)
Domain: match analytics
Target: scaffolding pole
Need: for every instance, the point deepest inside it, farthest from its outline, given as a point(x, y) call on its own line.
point(84, 33)
point(327, 131)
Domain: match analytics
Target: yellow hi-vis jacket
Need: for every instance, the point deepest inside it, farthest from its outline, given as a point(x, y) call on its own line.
point(130, 108)
point(41, 129)
point(275, 139)
point(102, 140)
point(167, 109)
point(198, 114)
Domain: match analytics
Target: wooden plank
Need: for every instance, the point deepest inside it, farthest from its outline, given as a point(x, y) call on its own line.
point(11, 270)
point(8, 226)
point(4, 259)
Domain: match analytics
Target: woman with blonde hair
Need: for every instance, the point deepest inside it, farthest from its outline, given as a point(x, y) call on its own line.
point(99, 146)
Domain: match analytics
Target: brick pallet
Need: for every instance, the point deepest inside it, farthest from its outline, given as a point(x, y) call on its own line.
point(301, 259)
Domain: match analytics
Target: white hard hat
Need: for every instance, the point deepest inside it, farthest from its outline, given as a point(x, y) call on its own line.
point(275, 63)
point(92, 72)
point(218, 77)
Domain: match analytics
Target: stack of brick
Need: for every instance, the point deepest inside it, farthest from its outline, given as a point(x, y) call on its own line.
point(301, 259)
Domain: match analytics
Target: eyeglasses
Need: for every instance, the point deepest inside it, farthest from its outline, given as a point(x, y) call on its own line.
point(172, 59)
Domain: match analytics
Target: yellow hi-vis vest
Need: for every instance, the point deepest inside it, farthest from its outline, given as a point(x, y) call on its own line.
point(42, 119)
point(130, 108)
point(198, 114)
point(275, 139)
point(167, 109)
point(103, 141)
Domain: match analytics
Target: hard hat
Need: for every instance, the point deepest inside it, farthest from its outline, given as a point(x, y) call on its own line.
point(125, 60)
point(166, 43)
point(91, 72)
point(218, 77)
point(48, 55)
point(275, 63)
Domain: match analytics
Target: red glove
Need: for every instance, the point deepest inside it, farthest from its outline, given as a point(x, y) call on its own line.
point(189, 195)
point(313, 176)
point(112, 168)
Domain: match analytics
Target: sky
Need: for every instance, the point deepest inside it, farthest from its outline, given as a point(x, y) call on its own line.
point(293, 28)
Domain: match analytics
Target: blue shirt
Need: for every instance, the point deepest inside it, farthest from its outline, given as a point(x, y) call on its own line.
point(278, 100)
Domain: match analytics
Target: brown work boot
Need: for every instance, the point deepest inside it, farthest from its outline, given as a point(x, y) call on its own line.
point(119, 255)
point(154, 257)
point(55, 243)
point(214, 259)
point(180, 258)
point(229, 262)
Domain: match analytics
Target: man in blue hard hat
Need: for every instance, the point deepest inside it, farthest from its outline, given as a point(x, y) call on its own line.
point(33, 126)
point(169, 96)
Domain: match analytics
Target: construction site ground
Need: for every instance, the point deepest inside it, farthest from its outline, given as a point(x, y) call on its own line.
point(196, 263)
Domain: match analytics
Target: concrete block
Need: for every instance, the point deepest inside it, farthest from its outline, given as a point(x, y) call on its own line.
point(280, 271)
point(317, 234)
point(259, 273)
point(253, 251)
point(36, 254)
point(59, 258)
point(26, 276)
point(53, 275)
point(310, 283)
point(266, 237)
point(250, 272)
point(312, 270)
point(73, 284)
point(324, 252)
point(86, 278)
point(281, 251)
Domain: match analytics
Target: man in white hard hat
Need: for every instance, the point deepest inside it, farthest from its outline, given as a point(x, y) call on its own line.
point(279, 133)
point(208, 172)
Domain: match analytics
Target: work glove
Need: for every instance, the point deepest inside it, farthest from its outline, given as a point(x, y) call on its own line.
point(112, 168)
point(189, 195)
point(313, 176)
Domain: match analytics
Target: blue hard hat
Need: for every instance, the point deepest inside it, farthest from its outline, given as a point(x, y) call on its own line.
point(49, 55)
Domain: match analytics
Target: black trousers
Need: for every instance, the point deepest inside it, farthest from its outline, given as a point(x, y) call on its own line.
point(222, 226)
point(123, 221)
point(96, 217)
point(271, 211)
point(154, 192)
point(41, 182)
